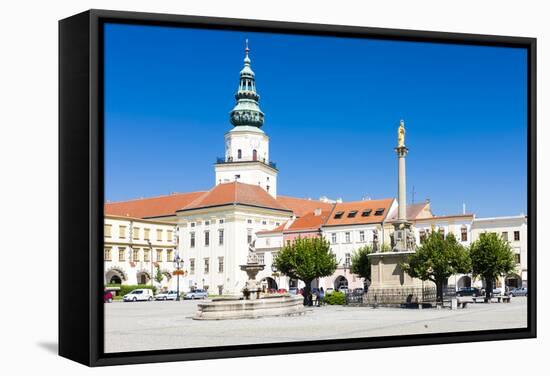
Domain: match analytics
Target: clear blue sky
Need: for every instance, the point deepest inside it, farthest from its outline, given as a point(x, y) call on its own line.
point(332, 108)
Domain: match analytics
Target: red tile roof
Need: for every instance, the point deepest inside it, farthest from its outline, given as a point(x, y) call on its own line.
point(235, 193)
point(346, 208)
point(301, 206)
point(160, 206)
point(308, 222)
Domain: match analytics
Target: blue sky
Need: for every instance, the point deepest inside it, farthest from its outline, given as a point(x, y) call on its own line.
point(332, 108)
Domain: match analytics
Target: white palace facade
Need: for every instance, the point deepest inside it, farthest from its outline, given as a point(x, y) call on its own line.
point(212, 230)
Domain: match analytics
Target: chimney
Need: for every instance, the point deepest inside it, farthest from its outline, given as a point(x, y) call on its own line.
point(317, 212)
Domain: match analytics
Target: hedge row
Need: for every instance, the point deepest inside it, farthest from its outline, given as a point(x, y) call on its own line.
point(336, 298)
point(125, 289)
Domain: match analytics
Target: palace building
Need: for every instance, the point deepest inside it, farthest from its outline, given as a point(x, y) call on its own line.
point(212, 230)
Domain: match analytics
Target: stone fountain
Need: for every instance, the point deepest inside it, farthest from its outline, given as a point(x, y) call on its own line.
point(252, 305)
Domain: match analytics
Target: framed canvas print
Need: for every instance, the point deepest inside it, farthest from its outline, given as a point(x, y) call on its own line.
point(239, 187)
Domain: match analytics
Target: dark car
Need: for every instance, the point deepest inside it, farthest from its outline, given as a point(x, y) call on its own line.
point(107, 296)
point(469, 291)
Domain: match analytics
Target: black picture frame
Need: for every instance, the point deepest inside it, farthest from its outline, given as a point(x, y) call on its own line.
point(81, 187)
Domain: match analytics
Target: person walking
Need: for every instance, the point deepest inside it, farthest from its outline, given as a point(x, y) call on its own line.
point(321, 299)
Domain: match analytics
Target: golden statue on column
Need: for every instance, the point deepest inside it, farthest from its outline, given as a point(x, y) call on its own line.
point(401, 135)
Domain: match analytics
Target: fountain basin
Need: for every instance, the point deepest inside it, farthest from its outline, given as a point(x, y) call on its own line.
point(269, 306)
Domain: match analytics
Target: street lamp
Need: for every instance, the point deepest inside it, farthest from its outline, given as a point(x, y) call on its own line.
point(178, 263)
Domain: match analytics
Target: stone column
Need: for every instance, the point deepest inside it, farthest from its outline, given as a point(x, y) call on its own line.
point(401, 183)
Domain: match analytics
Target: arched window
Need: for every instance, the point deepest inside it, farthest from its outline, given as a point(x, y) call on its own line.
point(239, 154)
point(254, 155)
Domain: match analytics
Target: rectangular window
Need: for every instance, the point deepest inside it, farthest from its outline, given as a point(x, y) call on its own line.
point(135, 255)
point(159, 255)
point(159, 234)
point(249, 221)
point(146, 255)
point(362, 236)
point(338, 215)
point(518, 258)
point(135, 233)
point(122, 232)
point(505, 236)
point(192, 224)
point(366, 212)
point(169, 255)
point(207, 238)
point(220, 264)
point(220, 236)
point(169, 235)
point(333, 238)
point(379, 211)
point(442, 232)
point(516, 236)
point(107, 230)
point(107, 254)
point(146, 232)
point(347, 261)
point(348, 237)
point(121, 254)
point(207, 223)
point(261, 258)
point(192, 240)
point(249, 236)
point(206, 265)
point(464, 234)
point(191, 266)
point(352, 214)
point(221, 221)
point(264, 222)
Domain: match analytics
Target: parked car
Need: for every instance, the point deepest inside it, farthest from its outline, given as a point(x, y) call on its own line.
point(107, 296)
point(139, 295)
point(167, 295)
point(469, 291)
point(520, 291)
point(497, 291)
point(282, 291)
point(293, 291)
point(329, 291)
point(196, 294)
point(359, 291)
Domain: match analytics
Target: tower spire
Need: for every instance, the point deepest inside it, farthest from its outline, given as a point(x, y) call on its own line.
point(247, 109)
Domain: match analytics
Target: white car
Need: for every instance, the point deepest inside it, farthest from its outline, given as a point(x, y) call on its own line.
point(137, 295)
point(168, 295)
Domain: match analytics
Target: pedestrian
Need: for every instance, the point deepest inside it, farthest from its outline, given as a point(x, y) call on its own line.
point(321, 300)
point(314, 298)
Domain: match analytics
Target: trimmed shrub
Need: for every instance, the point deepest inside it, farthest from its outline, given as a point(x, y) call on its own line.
point(336, 298)
point(125, 289)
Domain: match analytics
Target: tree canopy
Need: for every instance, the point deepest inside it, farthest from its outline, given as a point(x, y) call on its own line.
point(360, 262)
point(438, 258)
point(492, 257)
point(306, 259)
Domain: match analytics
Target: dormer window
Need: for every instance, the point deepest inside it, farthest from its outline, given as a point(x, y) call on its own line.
point(379, 211)
point(338, 215)
point(366, 212)
point(352, 214)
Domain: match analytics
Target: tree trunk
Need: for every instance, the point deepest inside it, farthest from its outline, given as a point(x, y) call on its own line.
point(439, 292)
point(307, 293)
point(488, 289)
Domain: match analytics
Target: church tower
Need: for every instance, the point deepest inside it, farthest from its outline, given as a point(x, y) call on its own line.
point(246, 157)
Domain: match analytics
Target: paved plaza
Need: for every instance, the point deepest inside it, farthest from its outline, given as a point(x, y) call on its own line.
point(168, 325)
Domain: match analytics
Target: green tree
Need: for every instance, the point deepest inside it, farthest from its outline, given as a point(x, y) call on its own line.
point(158, 276)
point(306, 259)
point(491, 257)
point(436, 259)
point(360, 262)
